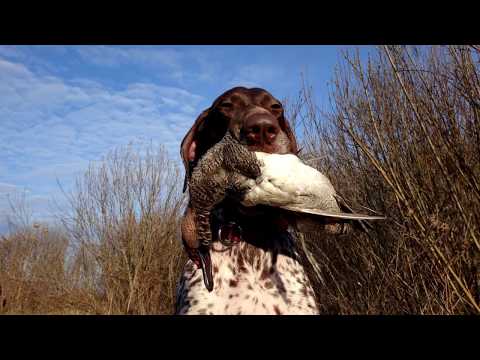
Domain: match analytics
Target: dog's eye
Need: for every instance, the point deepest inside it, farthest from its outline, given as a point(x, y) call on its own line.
point(276, 106)
point(226, 105)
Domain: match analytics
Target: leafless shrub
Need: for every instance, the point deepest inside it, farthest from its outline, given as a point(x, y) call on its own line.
point(119, 251)
point(125, 220)
point(403, 139)
point(34, 271)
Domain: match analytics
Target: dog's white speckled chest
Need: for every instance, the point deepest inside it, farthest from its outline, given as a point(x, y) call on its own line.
point(248, 280)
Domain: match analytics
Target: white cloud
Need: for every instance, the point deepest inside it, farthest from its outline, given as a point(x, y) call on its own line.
point(115, 56)
point(51, 128)
point(181, 65)
point(46, 108)
point(256, 75)
point(8, 188)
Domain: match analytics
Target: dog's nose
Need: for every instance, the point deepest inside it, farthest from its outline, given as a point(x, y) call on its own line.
point(261, 129)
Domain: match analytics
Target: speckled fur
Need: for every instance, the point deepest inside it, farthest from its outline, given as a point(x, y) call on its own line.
point(249, 280)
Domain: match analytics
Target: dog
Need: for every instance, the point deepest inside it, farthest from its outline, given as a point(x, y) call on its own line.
point(255, 262)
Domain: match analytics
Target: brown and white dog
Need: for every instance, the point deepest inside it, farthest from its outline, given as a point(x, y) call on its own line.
point(256, 266)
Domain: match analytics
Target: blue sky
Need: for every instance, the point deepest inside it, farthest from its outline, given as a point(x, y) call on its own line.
point(62, 107)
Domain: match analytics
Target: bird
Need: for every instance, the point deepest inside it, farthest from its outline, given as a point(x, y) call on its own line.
point(255, 178)
point(220, 172)
point(288, 183)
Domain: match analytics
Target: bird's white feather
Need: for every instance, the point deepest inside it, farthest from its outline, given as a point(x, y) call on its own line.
point(288, 183)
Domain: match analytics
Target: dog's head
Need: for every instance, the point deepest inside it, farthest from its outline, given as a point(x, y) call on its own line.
point(252, 115)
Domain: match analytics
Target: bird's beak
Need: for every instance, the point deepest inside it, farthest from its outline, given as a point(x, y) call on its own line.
point(206, 265)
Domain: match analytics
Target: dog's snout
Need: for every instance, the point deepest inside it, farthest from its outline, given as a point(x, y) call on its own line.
point(261, 129)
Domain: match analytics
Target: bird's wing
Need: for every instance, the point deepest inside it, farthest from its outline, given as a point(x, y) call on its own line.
point(338, 215)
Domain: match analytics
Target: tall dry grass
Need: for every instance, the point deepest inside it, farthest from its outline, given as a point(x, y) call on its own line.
point(403, 139)
point(33, 271)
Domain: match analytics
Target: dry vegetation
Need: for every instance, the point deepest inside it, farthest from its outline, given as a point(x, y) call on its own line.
point(403, 138)
point(116, 251)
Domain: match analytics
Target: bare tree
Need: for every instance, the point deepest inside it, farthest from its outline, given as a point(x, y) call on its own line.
point(125, 220)
point(402, 138)
point(118, 251)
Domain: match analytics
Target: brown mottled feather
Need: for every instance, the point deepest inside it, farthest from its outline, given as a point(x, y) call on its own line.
point(216, 175)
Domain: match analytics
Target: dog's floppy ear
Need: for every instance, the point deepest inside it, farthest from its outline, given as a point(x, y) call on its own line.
point(189, 146)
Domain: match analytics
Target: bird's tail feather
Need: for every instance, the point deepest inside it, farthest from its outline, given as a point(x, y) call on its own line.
point(338, 215)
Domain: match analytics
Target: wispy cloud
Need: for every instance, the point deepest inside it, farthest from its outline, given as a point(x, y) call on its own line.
point(167, 61)
point(116, 56)
point(52, 128)
point(46, 108)
point(64, 106)
point(8, 188)
point(257, 75)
